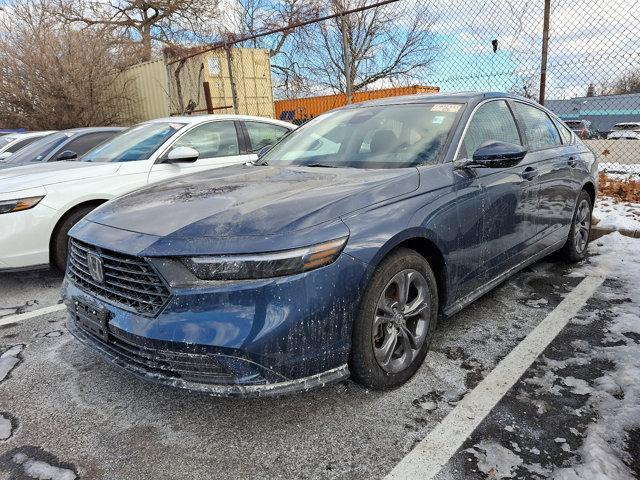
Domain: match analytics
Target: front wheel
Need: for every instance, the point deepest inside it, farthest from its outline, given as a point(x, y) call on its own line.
point(396, 321)
point(575, 248)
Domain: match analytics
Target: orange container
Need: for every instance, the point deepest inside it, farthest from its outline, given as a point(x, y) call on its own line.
point(301, 109)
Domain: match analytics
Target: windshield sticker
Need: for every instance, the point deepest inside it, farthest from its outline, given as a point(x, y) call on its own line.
point(445, 107)
point(439, 119)
point(176, 126)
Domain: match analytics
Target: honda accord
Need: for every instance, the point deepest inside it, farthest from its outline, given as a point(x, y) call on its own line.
point(336, 252)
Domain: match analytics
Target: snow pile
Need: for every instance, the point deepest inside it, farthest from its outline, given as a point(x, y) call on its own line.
point(9, 359)
point(614, 398)
point(5, 427)
point(617, 215)
point(42, 470)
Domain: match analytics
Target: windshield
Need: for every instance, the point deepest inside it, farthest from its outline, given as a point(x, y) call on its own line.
point(38, 150)
point(136, 143)
point(626, 126)
point(390, 136)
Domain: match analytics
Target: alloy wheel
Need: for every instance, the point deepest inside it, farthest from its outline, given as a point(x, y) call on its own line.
point(401, 321)
point(582, 223)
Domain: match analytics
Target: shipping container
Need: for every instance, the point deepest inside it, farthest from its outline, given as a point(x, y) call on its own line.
point(299, 110)
point(248, 70)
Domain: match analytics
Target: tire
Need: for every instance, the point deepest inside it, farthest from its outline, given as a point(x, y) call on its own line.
point(367, 361)
point(575, 248)
point(60, 240)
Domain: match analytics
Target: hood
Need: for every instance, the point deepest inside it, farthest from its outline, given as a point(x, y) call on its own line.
point(249, 200)
point(23, 177)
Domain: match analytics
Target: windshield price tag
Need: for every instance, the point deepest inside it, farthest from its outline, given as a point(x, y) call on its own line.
point(445, 107)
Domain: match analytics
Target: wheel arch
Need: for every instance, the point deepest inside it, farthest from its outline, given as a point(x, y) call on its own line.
point(590, 188)
point(428, 246)
point(87, 203)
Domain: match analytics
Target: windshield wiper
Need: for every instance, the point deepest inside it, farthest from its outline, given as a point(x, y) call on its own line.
point(319, 165)
point(258, 162)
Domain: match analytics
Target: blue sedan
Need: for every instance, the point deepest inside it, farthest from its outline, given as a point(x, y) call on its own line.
point(334, 254)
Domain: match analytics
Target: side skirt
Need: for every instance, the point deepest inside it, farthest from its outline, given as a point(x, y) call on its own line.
point(473, 296)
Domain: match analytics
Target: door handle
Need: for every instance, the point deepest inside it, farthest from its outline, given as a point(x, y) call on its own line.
point(530, 173)
point(572, 161)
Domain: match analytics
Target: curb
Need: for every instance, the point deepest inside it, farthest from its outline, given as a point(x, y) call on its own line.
point(597, 232)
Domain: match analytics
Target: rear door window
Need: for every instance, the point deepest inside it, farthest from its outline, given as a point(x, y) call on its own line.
point(539, 131)
point(262, 134)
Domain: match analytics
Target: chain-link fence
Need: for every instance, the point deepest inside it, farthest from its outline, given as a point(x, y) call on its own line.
point(296, 59)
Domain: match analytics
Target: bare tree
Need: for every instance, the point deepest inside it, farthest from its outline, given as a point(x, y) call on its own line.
point(53, 76)
point(150, 21)
point(629, 82)
point(385, 47)
point(259, 16)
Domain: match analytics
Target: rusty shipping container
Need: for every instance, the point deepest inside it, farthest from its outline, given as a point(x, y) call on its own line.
point(301, 109)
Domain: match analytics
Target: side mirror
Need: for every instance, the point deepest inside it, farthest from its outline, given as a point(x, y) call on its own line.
point(4, 155)
point(498, 155)
point(66, 155)
point(264, 150)
point(182, 155)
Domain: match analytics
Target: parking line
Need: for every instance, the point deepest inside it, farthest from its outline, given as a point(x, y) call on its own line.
point(428, 457)
point(33, 313)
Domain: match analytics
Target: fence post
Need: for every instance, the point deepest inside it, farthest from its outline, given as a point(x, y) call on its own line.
point(234, 93)
point(346, 59)
point(207, 97)
point(545, 50)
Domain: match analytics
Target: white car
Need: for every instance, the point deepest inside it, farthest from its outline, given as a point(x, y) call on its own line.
point(625, 131)
point(40, 203)
point(12, 142)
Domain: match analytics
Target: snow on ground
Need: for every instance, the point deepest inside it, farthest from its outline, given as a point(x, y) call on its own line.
point(617, 215)
point(42, 470)
point(9, 359)
point(5, 427)
point(614, 398)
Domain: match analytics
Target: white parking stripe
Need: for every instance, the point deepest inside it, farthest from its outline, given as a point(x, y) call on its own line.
point(33, 313)
point(433, 452)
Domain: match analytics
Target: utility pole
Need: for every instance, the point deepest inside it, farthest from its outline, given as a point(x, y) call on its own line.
point(234, 92)
point(545, 50)
point(346, 59)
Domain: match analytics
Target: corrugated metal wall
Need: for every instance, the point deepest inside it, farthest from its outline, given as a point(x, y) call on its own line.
point(144, 92)
point(250, 71)
point(302, 109)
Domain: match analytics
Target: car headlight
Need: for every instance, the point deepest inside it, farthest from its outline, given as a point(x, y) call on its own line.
point(265, 265)
point(8, 206)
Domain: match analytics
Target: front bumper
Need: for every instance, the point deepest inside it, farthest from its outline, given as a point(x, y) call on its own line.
point(248, 338)
point(24, 238)
point(151, 370)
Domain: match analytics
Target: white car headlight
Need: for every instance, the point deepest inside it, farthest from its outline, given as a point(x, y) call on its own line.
point(19, 204)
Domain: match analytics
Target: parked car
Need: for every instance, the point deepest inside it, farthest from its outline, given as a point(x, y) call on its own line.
point(582, 128)
point(625, 131)
point(40, 203)
point(66, 145)
point(10, 143)
point(336, 251)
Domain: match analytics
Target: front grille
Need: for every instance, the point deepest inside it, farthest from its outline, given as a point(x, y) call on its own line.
point(191, 367)
point(129, 283)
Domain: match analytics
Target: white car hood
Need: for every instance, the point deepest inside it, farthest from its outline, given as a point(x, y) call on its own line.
point(48, 173)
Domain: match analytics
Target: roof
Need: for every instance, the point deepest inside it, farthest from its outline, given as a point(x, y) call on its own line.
point(436, 97)
point(194, 119)
point(20, 136)
point(93, 129)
